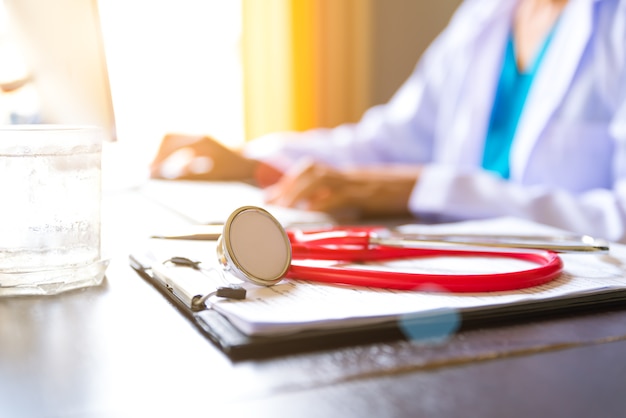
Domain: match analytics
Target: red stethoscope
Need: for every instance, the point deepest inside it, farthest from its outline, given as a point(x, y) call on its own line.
point(255, 247)
point(361, 246)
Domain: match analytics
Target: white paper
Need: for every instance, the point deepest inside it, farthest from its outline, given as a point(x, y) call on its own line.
point(293, 306)
point(212, 202)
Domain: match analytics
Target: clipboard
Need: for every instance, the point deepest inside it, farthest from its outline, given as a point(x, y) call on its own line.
point(238, 345)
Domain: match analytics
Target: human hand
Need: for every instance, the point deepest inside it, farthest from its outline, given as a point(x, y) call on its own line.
point(368, 192)
point(189, 157)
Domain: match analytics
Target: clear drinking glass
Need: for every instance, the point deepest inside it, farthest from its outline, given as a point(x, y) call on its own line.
point(50, 194)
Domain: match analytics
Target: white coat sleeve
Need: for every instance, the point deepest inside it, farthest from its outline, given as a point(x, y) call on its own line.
point(400, 131)
point(397, 132)
point(445, 193)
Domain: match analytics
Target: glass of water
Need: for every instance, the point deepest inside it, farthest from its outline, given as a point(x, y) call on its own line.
point(50, 189)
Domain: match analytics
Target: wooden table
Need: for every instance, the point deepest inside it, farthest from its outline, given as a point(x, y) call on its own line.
point(121, 349)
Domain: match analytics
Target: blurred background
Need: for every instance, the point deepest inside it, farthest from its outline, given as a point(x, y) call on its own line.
point(232, 69)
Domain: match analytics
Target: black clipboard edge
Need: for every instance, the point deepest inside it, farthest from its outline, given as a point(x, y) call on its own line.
point(238, 346)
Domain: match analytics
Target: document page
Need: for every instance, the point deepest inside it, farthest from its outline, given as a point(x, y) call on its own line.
point(293, 305)
point(298, 305)
point(212, 202)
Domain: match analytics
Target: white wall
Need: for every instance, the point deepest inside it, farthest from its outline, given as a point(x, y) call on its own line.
point(402, 30)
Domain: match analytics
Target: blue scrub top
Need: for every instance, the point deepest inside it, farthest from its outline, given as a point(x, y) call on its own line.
point(511, 93)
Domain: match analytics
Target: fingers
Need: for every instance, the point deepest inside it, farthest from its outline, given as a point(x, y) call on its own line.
point(345, 194)
point(186, 157)
point(310, 186)
point(295, 187)
point(173, 154)
point(172, 143)
point(184, 164)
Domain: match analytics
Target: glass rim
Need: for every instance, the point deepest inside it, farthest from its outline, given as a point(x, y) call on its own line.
point(49, 139)
point(35, 127)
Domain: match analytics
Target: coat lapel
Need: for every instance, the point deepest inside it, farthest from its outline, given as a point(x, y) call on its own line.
point(466, 127)
point(552, 80)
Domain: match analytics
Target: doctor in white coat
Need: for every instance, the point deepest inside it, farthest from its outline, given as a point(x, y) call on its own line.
point(423, 152)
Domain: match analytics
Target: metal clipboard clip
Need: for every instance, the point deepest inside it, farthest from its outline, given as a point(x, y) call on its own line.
point(187, 281)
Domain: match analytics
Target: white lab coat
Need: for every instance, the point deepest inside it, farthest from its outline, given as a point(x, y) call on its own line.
point(568, 159)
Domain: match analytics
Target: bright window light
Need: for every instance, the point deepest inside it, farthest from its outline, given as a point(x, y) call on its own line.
point(174, 66)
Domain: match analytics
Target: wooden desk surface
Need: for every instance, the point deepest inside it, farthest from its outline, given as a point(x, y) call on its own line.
point(121, 350)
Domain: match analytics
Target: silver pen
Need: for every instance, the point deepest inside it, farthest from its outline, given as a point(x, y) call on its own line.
point(394, 238)
point(559, 244)
point(197, 232)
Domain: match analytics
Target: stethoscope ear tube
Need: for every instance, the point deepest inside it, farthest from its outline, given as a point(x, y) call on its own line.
point(549, 267)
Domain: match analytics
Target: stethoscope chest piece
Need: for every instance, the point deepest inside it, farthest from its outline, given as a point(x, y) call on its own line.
point(254, 247)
